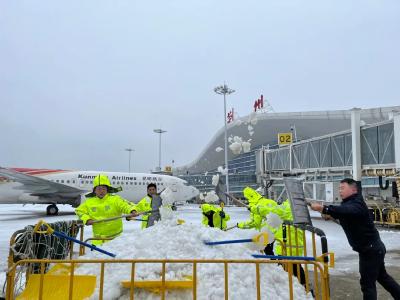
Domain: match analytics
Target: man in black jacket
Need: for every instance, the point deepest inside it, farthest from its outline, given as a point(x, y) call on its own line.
point(363, 238)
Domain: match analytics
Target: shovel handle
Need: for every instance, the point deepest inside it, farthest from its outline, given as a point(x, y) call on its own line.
point(110, 219)
point(62, 235)
point(229, 228)
point(229, 242)
point(281, 257)
point(123, 216)
point(236, 200)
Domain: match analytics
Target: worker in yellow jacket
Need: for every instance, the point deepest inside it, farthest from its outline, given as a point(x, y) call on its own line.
point(296, 245)
point(214, 216)
point(145, 204)
point(255, 220)
point(100, 204)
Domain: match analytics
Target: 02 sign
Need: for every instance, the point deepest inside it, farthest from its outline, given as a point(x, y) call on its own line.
point(285, 138)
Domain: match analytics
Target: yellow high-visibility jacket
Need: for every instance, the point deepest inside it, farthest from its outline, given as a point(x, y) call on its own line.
point(142, 206)
point(297, 247)
point(255, 222)
point(110, 206)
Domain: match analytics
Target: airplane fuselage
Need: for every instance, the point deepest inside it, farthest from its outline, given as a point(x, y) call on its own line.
point(134, 186)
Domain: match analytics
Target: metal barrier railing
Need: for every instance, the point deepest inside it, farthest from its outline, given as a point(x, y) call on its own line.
point(317, 282)
point(321, 275)
point(326, 258)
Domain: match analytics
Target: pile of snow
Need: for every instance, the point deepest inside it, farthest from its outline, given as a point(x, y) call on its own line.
point(219, 149)
point(167, 196)
point(274, 220)
point(166, 240)
point(211, 197)
point(215, 180)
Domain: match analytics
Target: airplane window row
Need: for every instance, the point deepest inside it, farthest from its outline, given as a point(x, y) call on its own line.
point(91, 182)
point(64, 181)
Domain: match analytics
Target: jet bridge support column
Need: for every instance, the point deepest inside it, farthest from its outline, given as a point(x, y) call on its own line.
point(356, 145)
point(396, 120)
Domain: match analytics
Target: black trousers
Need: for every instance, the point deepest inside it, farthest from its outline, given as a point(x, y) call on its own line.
point(372, 269)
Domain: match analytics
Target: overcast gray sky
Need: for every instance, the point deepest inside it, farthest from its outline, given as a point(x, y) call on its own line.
point(82, 80)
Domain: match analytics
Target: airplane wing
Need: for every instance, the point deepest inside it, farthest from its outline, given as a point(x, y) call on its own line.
point(42, 188)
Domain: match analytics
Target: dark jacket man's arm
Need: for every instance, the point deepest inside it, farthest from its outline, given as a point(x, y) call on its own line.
point(346, 210)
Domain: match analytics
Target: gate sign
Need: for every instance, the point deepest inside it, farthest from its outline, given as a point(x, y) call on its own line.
point(285, 138)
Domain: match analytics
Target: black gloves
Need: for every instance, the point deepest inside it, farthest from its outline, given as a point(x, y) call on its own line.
point(222, 214)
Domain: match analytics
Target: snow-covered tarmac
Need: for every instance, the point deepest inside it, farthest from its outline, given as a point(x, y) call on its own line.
point(15, 217)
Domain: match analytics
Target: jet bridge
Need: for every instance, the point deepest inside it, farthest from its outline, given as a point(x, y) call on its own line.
point(368, 153)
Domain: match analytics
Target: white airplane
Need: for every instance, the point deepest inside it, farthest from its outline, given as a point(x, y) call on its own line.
point(42, 186)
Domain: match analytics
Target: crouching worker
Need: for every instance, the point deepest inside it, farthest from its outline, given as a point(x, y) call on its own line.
point(214, 216)
point(101, 204)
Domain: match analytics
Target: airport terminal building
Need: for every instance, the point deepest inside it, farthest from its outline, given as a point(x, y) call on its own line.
point(263, 129)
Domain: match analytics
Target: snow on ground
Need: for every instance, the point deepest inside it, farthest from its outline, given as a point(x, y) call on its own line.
point(15, 217)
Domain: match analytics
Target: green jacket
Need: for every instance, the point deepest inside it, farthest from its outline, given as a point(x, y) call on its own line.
point(110, 206)
point(214, 214)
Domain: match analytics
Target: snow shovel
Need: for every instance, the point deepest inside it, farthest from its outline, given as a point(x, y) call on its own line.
point(155, 286)
point(50, 230)
point(260, 239)
point(58, 287)
point(230, 228)
point(122, 216)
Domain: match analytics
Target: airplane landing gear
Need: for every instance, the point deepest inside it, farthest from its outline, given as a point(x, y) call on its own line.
point(52, 210)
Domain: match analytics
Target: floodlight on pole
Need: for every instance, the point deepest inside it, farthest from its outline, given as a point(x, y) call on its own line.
point(225, 90)
point(130, 150)
point(160, 132)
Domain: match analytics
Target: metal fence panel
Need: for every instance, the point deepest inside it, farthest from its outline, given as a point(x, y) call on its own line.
point(338, 154)
point(369, 146)
point(325, 153)
point(386, 143)
point(314, 154)
point(348, 148)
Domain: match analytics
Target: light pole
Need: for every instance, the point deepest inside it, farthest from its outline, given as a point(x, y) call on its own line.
point(130, 150)
point(293, 130)
point(225, 90)
point(160, 132)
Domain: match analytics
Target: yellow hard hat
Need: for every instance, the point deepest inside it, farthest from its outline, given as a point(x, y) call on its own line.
point(103, 180)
